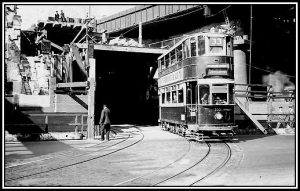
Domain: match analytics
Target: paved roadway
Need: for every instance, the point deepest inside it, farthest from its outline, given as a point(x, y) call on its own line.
point(145, 156)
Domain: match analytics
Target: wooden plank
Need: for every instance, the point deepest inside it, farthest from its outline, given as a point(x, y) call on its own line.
point(72, 84)
point(56, 46)
point(91, 100)
point(252, 118)
point(78, 58)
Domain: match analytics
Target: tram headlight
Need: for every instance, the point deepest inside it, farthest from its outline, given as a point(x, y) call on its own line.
point(218, 115)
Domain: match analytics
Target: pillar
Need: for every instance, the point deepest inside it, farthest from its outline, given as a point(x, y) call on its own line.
point(140, 34)
point(91, 99)
point(240, 66)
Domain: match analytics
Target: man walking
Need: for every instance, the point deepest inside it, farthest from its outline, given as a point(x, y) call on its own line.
point(105, 122)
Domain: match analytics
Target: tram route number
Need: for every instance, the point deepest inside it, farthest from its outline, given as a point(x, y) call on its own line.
point(216, 41)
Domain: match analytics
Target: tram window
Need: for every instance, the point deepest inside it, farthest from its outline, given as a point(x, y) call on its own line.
point(173, 57)
point(193, 46)
point(186, 49)
point(179, 53)
point(219, 98)
point(191, 93)
point(228, 46)
point(174, 97)
point(180, 95)
point(168, 97)
point(162, 62)
point(159, 65)
point(231, 101)
point(167, 60)
point(163, 97)
point(204, 94)
point(201, 45)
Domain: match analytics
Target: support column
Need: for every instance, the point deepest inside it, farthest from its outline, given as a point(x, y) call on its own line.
point(91, 99)
point(52, 87)
point(140, 35)
point(240, 66)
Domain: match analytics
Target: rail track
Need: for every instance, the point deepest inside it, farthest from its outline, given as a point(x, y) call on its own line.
point(61, 161)
point(192, 167)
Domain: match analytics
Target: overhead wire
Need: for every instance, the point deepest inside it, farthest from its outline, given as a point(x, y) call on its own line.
point(268, 71)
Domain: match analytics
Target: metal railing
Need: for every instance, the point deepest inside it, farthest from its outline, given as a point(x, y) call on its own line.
point(275, 102)
point(52, 119)
point(165, 43)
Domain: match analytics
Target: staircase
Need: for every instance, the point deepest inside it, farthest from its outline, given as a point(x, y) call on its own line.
point(271, 112)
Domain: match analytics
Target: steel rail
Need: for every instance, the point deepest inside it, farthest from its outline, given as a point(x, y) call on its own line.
point(157, 170)
point(195, 164)
point(80, 162)
point(229, 153)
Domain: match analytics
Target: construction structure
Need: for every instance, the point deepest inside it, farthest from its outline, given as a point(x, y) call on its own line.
point(114, 60)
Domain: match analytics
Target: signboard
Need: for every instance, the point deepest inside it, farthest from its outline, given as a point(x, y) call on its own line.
point(217, 72)
point(213, 41)
point(171, 78)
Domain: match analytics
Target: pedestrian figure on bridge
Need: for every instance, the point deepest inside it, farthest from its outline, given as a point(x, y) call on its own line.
point(56, 16)
point(62, 16)
point(105, 122)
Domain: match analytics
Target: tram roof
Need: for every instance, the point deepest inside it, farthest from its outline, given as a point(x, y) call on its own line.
point(216, 34)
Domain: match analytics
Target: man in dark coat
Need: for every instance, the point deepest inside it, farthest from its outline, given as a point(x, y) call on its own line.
point(105, 122)
point(56, 17)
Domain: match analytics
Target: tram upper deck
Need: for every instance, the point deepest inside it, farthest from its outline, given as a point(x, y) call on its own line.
point(200, 55)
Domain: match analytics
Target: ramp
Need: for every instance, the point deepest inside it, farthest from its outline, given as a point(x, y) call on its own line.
point(260, 104)
point(251, 117)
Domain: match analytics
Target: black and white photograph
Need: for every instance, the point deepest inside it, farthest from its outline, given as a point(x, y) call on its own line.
point(149, 95)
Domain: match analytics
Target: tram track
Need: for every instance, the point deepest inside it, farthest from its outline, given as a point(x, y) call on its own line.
point(202, 169)
point(22, 171)
point(157, 170)
point(74, 152)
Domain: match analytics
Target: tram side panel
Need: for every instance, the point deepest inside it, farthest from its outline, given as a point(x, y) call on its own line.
point(174, 115)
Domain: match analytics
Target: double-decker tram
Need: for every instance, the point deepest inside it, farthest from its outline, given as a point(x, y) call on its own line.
point(195, 81)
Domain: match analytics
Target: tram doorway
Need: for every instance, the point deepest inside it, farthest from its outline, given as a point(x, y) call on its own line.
point(122, 82)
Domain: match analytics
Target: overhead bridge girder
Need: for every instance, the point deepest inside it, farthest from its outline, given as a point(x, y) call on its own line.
point(72, 84)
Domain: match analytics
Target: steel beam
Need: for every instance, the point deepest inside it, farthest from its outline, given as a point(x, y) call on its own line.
point(72, 84)
point(124, 48)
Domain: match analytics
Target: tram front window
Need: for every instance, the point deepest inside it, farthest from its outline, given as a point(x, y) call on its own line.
point(219, 98)
point(204, 94)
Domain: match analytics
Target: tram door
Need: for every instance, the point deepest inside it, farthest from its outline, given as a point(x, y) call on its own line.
point(191, 102)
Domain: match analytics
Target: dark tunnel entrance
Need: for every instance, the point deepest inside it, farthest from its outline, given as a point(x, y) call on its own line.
point(122, 83)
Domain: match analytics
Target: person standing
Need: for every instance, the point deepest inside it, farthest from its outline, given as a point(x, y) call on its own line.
point(62, 16)
point(105, 122)
point(56, 16)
